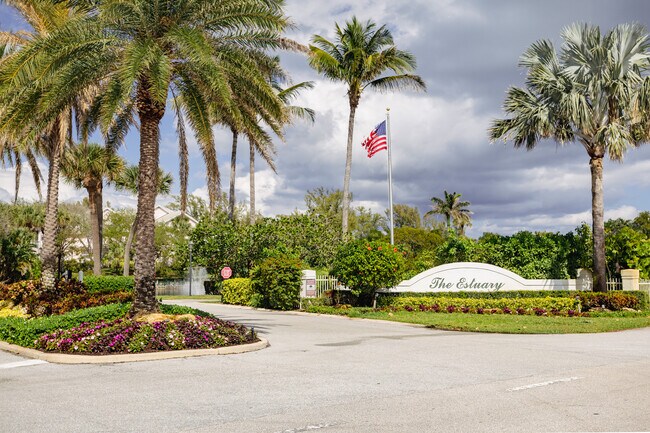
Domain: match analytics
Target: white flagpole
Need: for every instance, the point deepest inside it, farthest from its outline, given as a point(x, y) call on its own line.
point(390, 177)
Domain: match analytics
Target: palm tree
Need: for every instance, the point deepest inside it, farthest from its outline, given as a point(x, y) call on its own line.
point(595, 93)
point(265, 148)
point(128, 181)
point(86, 166)
point(22, 86)
point(453, 209)
point(359, 56)
point(137, 51)
point(11, 154)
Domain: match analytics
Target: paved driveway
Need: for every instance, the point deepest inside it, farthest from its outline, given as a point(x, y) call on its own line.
point(334, 374)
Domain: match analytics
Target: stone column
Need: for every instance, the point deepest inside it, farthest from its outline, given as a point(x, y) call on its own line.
point(584, 280)
point(630, 279)
point(308, 287)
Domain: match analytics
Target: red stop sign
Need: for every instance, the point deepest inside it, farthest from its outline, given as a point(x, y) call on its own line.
point(226, 273)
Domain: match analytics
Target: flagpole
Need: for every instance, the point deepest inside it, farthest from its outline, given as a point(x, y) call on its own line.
point(390, 177)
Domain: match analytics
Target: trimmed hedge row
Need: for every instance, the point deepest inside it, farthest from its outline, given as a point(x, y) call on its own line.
point(108, 283)
point(615, 300)
point(519, 305)
point(237, 291)
point(25, 332)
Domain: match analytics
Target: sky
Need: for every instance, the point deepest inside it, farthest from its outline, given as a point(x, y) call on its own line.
point(467, 53)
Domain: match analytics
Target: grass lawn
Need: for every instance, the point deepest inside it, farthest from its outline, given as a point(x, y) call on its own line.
point(503, 323)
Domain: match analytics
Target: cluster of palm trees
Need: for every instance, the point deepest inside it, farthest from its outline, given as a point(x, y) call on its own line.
point(107, 66)
point(91, 67)
point(595, 92)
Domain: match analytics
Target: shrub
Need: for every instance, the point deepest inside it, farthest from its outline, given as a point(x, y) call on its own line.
point(277, 280)
point(237, 291)
point(637, 299)
point(610, 300)
point(365, 267)
point(108, 283)
point(537, 306)
point(17, 257)
point(66, 296)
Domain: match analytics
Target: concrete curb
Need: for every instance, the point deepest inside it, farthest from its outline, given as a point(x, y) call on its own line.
point(64, 358)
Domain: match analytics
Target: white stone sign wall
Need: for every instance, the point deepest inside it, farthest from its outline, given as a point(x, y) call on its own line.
point(481, 277)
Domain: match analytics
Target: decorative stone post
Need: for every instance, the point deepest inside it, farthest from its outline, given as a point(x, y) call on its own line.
point(630, 279)
point(584, 280)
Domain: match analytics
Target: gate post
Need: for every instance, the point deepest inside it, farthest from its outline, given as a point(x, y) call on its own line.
point(630, 279)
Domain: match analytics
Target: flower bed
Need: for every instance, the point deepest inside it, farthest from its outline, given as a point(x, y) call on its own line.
point(537, 306)
point(134, 336)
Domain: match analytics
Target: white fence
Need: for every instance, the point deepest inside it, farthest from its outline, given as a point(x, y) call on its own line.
point(614, 284)
point(326, 282)
point(644, 285)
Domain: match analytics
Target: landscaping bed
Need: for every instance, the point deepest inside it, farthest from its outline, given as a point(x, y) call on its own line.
point(501, 323)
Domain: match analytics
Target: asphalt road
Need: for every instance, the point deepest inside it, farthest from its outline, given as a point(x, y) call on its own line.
point(339, 375)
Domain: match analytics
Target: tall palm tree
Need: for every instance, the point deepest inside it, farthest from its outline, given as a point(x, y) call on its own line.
point(138, 50)
point(86, 165)
point(265, 148)
point(22, 84)
point(595, 93)
point(453, 209)
point(128, 181)
point(359, 57)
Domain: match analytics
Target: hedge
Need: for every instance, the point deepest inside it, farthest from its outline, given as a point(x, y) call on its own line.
point(24, 332)
point(108, 283)
point(612, 300)
point(526, 305)
point(237, 291)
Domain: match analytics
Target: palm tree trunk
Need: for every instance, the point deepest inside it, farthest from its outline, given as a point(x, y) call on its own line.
point(348, 170)
point(18, 163)
point(252, 182)
point(49, 251)
point(150, 113)
point(95, 228)
point(598, 220)
point(233, 168)
point(127, 250)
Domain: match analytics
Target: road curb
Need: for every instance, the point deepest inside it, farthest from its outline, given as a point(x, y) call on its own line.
point(64, 358)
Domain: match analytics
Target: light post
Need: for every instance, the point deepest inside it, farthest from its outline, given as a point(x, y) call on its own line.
point(190, 245)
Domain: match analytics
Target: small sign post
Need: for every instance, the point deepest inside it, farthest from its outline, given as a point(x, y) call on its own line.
point(226, 273)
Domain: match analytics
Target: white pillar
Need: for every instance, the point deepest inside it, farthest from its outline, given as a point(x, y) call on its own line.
point(630, 279)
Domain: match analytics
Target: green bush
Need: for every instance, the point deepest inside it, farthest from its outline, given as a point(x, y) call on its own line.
point(237, 291)
point(277, 280)
point(527, 305)
point(611, 300)
point(24, 332)
point(108, 283)
point(636, 299)
point(365, 267)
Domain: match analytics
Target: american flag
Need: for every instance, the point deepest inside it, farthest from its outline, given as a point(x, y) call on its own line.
point(376, 141)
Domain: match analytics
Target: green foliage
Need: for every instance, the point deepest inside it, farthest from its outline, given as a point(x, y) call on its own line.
point(108, 283)
point(636, 299)
point(64, 297)
point(238, 291)
point(528, 305)
point(220, 242)
point(18, 260)
point(365, 267)
point(277, 279)
point(24, 332)
point(456, 249)
point(627, 246)
point(611, 300)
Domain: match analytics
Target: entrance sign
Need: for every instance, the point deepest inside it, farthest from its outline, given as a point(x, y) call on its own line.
point(476, 277)
point(226, 273)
